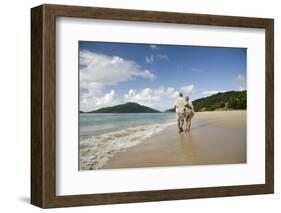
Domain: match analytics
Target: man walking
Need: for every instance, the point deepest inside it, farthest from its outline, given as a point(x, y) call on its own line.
point(179, 108)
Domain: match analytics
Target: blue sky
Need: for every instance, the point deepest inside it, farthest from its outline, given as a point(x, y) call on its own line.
point(152, 75)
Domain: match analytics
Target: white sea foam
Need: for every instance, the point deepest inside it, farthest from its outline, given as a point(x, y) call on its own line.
point(97, 150)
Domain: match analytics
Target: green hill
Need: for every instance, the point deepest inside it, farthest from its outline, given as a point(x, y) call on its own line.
point(129, 107)
point(170, 110)
point(230, 100)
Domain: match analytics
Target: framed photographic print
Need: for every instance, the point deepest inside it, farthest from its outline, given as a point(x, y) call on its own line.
point(136, 106)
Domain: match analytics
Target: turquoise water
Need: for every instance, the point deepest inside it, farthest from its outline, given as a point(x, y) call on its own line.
point(104, 135)
point(95, 124)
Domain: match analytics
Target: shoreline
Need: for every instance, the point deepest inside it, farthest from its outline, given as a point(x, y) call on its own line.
point(216, 137)
point(96, 150)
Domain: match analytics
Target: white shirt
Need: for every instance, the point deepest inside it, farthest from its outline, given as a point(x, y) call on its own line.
point(190, 105)
point(180, 104)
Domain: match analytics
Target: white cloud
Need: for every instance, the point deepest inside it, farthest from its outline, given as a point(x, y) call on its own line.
point(152, 97)
point(159, 91)
point(144, 97)
point(98, 71)
point(149, 59)
point(91, 102)
point(106, 99)
point(172, 93)
point(169, 92)
point(187, 90)
point(153, 46)
point(160, 98)
point(152, 58)
point(241, 80)
point(162, 57)
point(211, 92)
point(146, 74)
point(109, 70)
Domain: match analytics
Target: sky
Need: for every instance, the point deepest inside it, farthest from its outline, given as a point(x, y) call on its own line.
point(153, 75)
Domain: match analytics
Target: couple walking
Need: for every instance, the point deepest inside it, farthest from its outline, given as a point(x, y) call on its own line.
point(184, 112)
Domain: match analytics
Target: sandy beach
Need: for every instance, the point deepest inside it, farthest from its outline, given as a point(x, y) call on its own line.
point(217, 137)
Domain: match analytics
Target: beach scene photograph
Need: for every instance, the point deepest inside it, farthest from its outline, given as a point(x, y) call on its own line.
point(160, 105)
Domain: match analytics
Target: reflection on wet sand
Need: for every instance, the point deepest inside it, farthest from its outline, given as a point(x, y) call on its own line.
point(215, 138)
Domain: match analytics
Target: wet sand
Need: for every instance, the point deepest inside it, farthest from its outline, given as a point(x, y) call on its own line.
point(217, 137)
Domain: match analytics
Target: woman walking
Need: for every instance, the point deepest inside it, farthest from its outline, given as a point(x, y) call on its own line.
point(189, 113)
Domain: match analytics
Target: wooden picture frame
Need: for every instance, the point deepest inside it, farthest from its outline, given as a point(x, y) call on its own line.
point(43, 105)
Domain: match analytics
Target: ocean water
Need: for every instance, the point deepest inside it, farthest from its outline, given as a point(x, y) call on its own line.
point(103, 135)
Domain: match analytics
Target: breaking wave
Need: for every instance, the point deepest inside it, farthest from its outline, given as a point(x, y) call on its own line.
point(96, 151)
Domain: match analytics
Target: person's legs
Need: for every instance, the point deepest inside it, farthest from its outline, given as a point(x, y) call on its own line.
point(178, 121)
point(185, 120)
point(189, 124)
point(182, 122)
